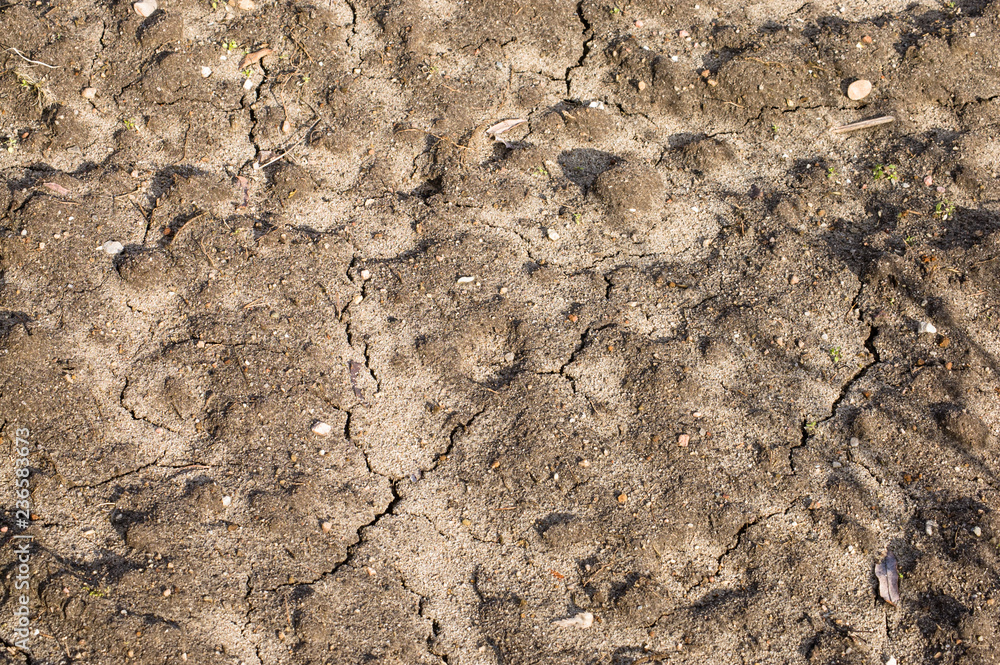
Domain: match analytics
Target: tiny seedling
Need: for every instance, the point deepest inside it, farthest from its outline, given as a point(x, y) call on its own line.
point(909, 240)
point(886, 171)
point(836, 355)
point(12, 143)
point(944, 210)
point(614, 10)
point(42, 95)
point(247, 73)
point(774, 129)
point(129, 124)
point(831, 173)
point(540, 171)
point(811, 427)
point(577, 217)
point(231, 45)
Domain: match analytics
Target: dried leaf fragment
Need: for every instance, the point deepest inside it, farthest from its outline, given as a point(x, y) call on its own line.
point(887, 573)
point(57, 188)
point(503, 126)
point(581, 620)
point(255, 57)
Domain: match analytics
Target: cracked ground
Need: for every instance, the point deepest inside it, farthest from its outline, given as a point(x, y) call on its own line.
point(365, 385)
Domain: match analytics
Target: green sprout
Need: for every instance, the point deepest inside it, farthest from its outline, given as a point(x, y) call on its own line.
point(231, 45)
point(774, 129)
point(247, 73)
point(129, 124)
point(42, 95)
point(831, 173)
point(12, 143)
point(540, 171)
point(835, 355)
point(577, 217)
point(614, 10)
point(811, 426)
point(945, 210)
point(887, 171)
point(909, 240)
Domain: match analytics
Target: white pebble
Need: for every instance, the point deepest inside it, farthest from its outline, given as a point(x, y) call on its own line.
point(929, 527)
point(112, 247)
point(837, 465)
point(366, 275)
point(926, 327)
point(977, 531)
point(247, 84)
point(206, 72)
point(553, 235)
point(321, 428)
point(465, 280)
point(89, 93)
point(227, 500)
point(145, 8)
point(859, 89)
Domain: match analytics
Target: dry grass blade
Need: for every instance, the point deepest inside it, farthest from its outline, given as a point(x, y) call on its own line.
point(863, 124)
point(502, 127)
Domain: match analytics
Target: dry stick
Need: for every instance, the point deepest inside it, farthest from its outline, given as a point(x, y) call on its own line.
point(862, 124)
point(291, 147)
point(27, 59)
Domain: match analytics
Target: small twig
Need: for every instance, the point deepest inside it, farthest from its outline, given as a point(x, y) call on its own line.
point(763, 62)
point(986, 260)
point(291, 147)
point(186, 224)
point(119, 196)
point(862, 124)
point(27, 59)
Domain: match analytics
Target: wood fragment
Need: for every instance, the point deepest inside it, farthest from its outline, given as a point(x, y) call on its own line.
point(887, 572)
point(255, 57)
point(862, 124)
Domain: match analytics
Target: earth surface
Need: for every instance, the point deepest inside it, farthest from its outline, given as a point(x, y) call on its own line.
point(315, 369)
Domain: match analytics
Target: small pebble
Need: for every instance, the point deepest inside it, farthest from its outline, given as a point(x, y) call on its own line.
point(248, 84)
point(683, 440)
point(793, 280)
point(642, 85)
point(465, 280)
point(89, 93)
point(227, 500)
point(929, 527)
point(246, 5)
point(321, 428)
point(837, 465)
point(146, 8)
point(622, 498)
point(286, 127)
point(112, 247)
point(326, 526)
point(859, 89)
point(928, 181)
point(926, 327)
point(553, 235)
point(366, 275)
point(206, 72)
point(855, 442)
point(977, 531)
point(508, 357)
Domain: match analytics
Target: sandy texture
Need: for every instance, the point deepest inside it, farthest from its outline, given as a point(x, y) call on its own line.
point(641, 381)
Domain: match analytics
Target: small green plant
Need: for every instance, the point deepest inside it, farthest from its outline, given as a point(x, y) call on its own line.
point(836, 355)
point(831, 173)
point(129, 124)
point(303, 80)
point(811, 426)
point(614, 11)
point(577, 217)
point(247, 73)
point(944, 210)
point(774, 129)
point(231, 45)
point(540, 171)
point(42, 95)
point(97, 593)
point(886, 171)
point(909, 240)
point(12, 143)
